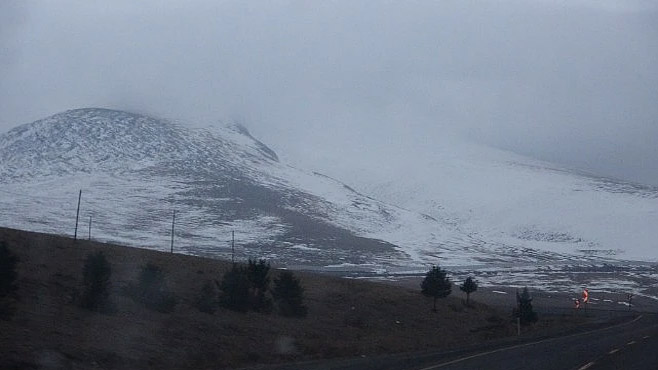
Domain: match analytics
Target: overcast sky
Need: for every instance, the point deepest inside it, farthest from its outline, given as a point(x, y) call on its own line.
point(572, 81)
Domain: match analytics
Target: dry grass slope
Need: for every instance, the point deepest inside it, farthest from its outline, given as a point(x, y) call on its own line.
point(345, 317)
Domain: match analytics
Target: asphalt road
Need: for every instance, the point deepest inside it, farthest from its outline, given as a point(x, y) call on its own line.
point(632, 345)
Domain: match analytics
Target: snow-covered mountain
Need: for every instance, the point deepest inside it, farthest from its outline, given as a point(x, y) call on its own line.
point(503, 198)
point(135, 170)
point(458, 204)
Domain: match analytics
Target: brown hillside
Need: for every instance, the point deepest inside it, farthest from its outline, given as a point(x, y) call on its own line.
point(345, 317)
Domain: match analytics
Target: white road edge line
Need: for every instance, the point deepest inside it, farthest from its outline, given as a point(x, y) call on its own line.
point(646, 337)
point(631, 342)
point(587, 366)
point(613, 351)
point(526, 345)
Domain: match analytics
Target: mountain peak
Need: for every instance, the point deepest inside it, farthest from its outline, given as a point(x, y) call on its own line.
point(89, 139)
point(242, 130)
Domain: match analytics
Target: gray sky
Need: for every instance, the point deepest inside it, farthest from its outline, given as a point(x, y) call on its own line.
point(570, 81)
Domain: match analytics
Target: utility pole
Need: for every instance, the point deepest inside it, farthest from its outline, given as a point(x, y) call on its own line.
point(89, 227)
point(77, 216)
point(518, 313)
point(232, 246)
point(173, 222)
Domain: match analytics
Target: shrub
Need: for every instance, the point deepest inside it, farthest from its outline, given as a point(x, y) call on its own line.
point(288, 295)
point(259, 281)
point(436, 285)
point(207, 299)
point(96, 280)
point(524, 310)
point(151, 290)
point(235, 289)
point(469, 286)
point(8, 274)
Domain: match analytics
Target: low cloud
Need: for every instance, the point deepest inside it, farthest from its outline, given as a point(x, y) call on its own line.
point(567, 81)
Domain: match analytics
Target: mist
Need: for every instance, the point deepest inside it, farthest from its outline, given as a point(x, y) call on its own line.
point(574, 82)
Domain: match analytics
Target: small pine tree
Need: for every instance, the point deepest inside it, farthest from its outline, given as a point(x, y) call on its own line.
point(524, 310)
point(288, 295)
point(96, 279)
point(207, 299)
point(8, 274)
point(259, 280)
point(151, 289)
point(436, 284)
point(235, 289)
point(469, 286)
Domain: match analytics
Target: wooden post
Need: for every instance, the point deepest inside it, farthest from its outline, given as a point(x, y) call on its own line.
point(232, 246)
point(173, 222)
point(77, 216)
point(89, 227)
point(630, 301)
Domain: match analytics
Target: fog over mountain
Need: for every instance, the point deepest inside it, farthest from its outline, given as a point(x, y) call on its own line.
point(572, 82)
point(460, 203)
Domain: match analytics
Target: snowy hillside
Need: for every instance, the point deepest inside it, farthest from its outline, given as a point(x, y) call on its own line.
point(135, 170)
point(502, 198)
point(456, 204)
